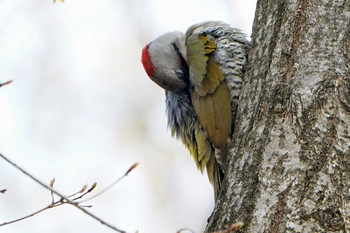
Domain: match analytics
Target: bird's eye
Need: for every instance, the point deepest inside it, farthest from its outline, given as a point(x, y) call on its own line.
point(179, 73)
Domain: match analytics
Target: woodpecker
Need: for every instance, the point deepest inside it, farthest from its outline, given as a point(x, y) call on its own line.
point(201, 72)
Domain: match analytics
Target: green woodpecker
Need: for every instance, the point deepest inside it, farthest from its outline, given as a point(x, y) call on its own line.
point(201, 72)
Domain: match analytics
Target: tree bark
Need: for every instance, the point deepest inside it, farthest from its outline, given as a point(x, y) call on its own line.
point(289, 169)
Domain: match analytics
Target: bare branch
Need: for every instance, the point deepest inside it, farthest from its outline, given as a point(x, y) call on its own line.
point(80, 191)
point(185, 229)
point(88, 191)
point(51, 185)
point(63, 199)
point(5, 83)
point(25, 217)
point(131, 168)
point(114, 183)
point(53, 204)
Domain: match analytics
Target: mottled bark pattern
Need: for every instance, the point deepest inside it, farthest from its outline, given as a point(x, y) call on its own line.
point(290, 164)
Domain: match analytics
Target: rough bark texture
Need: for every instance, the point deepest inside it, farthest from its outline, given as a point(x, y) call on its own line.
point(289, 169)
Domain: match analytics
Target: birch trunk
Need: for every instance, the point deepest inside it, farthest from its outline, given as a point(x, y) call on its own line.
point(289, 169)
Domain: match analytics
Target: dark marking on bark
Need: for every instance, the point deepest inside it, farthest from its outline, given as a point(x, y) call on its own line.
point(296, 35)
point(278, 216)
point(344, 95)
point(280, 12)
point(280, 98)
point(298, 22)
point(310, 174)
point(329, 218)
point(280, 8)
point(249, 200)
point(322, 157)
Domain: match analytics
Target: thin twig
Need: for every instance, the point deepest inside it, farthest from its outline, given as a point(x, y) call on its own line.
point(185, 229)
point(115, 182)
point(51, 186)
point(67, 200)
point(20, 219)
point(83, 189)
point(5, 83)
point(80, 191)
point(32, 214)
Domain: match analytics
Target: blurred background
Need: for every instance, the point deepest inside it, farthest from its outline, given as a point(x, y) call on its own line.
point(81, 109)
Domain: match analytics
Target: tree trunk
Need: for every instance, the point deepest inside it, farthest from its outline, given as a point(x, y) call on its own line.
point(289, 169)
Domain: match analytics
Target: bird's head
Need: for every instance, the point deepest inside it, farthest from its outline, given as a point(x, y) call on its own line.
point(164, 61)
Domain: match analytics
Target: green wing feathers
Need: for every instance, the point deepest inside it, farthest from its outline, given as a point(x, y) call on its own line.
point(204, 149)
point(199, 146)
point(214, 112)
point(204, 155)
point(212, 103)
point(211, 96)
point(198, 49)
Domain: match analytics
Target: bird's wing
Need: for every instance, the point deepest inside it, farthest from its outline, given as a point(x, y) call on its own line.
point(210, 94)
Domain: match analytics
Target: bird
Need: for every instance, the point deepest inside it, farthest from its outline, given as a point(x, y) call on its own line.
point(202, 73)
